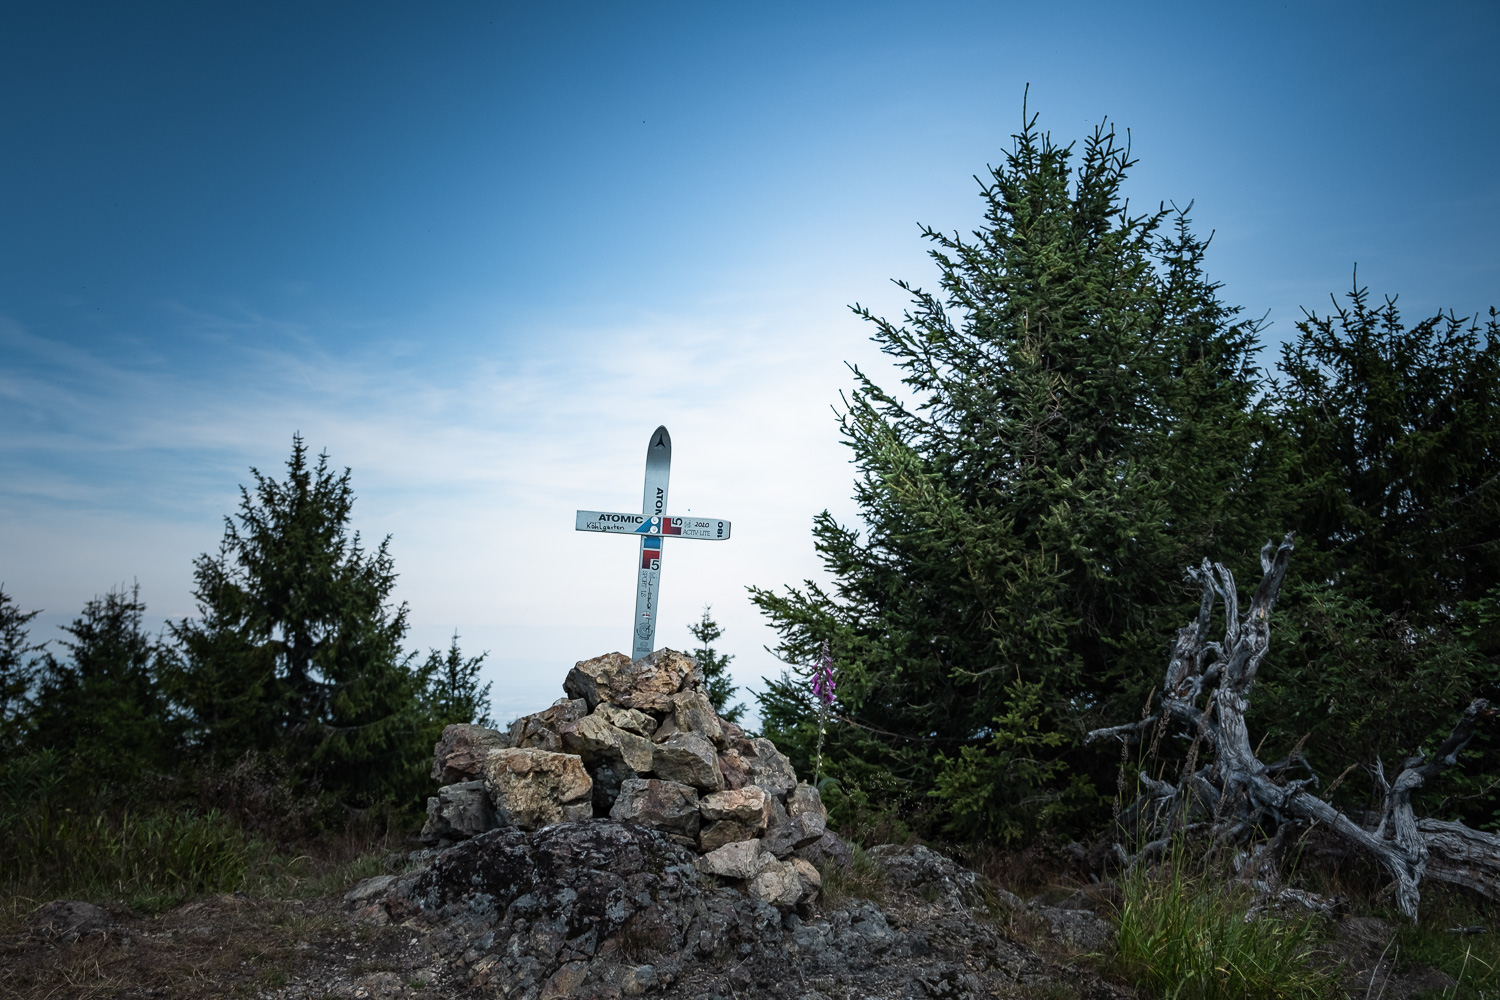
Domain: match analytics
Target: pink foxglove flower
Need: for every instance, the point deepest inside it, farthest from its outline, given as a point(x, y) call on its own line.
point(823, 682)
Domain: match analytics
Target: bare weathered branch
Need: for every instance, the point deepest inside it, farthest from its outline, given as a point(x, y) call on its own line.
point(1242, 794)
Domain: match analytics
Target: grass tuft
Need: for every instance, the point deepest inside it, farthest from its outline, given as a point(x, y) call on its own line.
point(862, 878)
point(1182, 934)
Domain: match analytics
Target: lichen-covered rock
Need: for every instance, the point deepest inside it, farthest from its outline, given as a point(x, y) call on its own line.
point(592, 738)
point(812, 880)
point(460, 753)
point(457, 812)
point(921, 868)
point(659, 804)
point(530, 788)
point(804, 800)
point(647, 684)
point(688, 758)
point(749, 805)
point(692, 712)
point(631, 720)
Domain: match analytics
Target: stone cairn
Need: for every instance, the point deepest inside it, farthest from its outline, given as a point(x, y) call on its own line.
point(638, 742)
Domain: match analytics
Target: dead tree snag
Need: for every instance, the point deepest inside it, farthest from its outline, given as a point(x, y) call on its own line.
point(1233, 794)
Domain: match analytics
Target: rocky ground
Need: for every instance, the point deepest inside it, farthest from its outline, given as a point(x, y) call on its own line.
point(936, 932)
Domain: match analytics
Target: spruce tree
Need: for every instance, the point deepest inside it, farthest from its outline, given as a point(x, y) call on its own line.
point(715, 666)
point(296, 649)
point(1078, 420)
point(18, 668)
point(100, 705)
point(453, 692)
point(1387, 624)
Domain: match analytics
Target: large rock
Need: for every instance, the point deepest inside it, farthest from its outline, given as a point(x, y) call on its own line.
point(750, 805)
point(647, 684)
point(741, 859)
point(776, 883)
point(661, 805)
point(457, 812)
point(735, 769)
point(531, 788)
point(632, 720)
point(543, 730)
point(769, 767)
point(690, 759)
point(593, 738)
point(725, 831)
point(784, 833)
point(829, 849)
point(692, 712)
point(460, 753)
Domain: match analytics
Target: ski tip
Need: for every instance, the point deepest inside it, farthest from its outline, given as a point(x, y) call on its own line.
point(660, 439)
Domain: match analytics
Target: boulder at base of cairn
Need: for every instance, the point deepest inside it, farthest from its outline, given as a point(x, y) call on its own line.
point(662, 805)
point(531, 788)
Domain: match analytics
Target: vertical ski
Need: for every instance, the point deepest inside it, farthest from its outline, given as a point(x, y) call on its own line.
point(653, 504)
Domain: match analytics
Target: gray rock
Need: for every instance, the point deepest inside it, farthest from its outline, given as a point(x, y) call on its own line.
point(725, 831)
point(531, 788)
point(1081, 929)
point(68, 920)
point(593, 739)
point(369, 889)
point(460, 753)
point(659, 804)
point(457, 812)
point(784, 834)
point(694, 713)
point(777, 883)
point(688, 758)
point(921, 869)
point(769, 767)
point(829, 849)
point(543, 730)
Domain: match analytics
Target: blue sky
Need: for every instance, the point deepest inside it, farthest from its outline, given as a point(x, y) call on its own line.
point(478, 251)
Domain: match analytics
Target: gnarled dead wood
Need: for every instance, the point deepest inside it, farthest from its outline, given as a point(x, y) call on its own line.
point(1233, 794)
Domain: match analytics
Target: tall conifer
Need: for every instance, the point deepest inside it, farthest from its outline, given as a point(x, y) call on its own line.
point(1078, 420)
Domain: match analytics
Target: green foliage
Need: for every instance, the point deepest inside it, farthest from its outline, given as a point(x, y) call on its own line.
point(1183, 934)
point(18, 668)
point(101, 706)
point(1397, 433)
point(715, 666)
point(1079, 420)
point(1387, 631)
point(296, 650)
